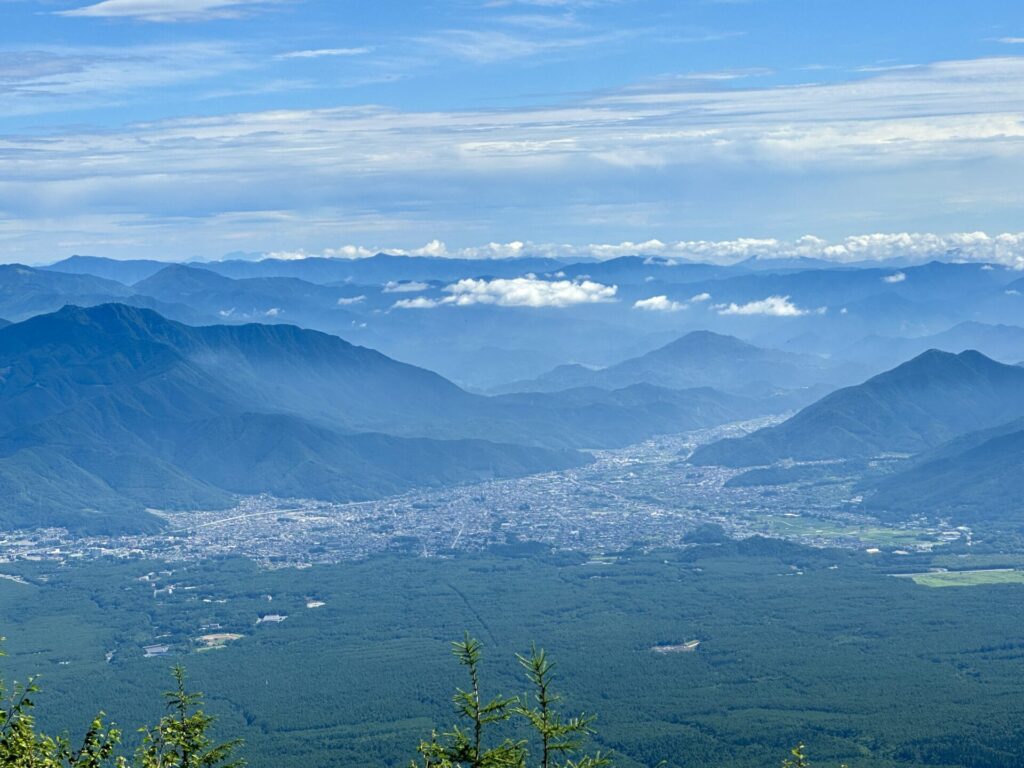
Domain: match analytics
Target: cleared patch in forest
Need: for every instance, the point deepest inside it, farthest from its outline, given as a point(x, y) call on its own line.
point(969, 578)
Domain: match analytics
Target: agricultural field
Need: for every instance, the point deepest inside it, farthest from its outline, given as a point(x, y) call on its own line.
point(969, 578)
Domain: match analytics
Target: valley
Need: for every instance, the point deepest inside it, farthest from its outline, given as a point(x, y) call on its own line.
point(645, 496)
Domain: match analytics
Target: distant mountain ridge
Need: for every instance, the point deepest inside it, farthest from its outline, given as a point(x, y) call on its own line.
point(996, 340)
point(697, 359)
point(915, 406)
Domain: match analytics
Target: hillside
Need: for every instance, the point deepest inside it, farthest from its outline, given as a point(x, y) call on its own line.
point(110, 410)
point(975, 479)
point(918, 405)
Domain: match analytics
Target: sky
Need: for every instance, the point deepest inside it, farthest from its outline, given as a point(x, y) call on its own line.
point(716, 129)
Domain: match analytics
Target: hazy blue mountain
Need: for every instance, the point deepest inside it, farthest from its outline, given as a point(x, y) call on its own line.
point(594, 417)
point(4, 322)
point(1000, 342)
point(26, 291)
point(261, 299)
point(383, 268)
point(109, 410)
point(698, 359)
point(644, 269)
point(974, 479)
point(126, 271)
point(918, 405)
point(838, 286)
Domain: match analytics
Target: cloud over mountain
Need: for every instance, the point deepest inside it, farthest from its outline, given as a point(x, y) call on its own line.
point(773, 306)
point(528, 291)
point(659, 304)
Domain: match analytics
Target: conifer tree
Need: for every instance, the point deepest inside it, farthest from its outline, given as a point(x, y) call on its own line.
point(465, 745)
point(22, 747)
point(181, 739)
point(558, 737)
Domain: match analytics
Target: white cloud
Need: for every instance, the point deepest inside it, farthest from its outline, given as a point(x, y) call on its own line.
point(700, 297)
point(895, 277)
point(773, 306)
point(420, 302)
point(195, 184)
point(345, 301)
point(1006, 249)
point(488, 46)
point(658, 304)
point(162, 10)
point(528, 291)
point(319, 53)
point(405, 286)
point(57, 78)
point(273, 312)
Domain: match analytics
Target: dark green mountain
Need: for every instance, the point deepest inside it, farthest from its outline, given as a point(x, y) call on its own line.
point(973, 479)
point(916, 406)
point(698, 359)
point(285, 369)
point(110, 410)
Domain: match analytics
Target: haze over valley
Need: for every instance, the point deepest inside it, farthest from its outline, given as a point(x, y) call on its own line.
point(511, 384)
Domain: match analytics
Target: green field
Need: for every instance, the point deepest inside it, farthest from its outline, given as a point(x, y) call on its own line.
point(969, 578)
point(795, 643)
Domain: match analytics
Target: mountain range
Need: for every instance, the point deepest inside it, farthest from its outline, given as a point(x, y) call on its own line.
point(109, 410)
point(700, 359)
point(975, 478)
point(916, 406)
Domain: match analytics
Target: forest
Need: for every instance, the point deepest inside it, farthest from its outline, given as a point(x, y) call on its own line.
point(348, 665)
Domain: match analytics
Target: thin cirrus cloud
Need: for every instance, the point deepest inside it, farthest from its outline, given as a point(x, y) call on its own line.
point(163, 10)
point(486, 46)
point(773, 306)
point(363, 168)
point(35, 81)
point(528, 291)
point(320, 53)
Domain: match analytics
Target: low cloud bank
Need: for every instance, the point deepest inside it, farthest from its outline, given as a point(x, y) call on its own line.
point(1006, 249)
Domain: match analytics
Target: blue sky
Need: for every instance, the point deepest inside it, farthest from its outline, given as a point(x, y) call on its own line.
point(192, 128)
